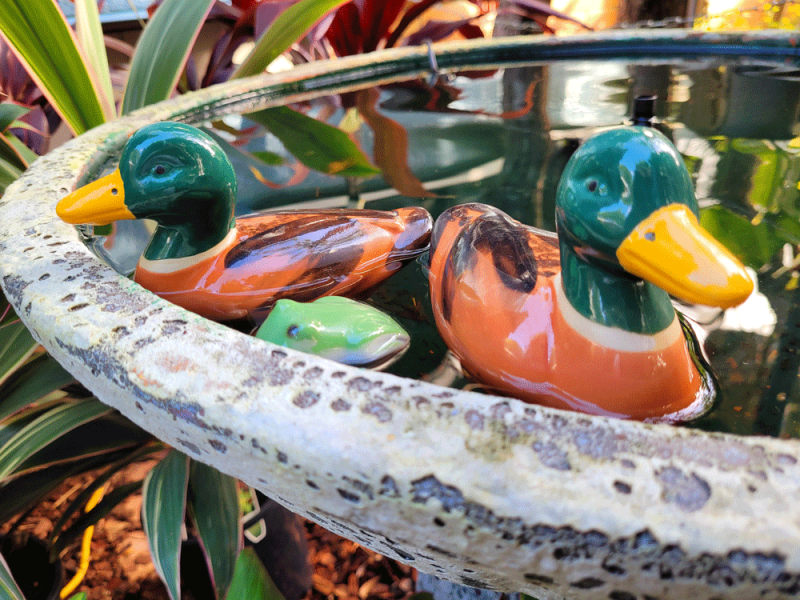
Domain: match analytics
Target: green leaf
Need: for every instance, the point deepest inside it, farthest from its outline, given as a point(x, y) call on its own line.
point(16, 346)
point(286, 29)
point(22, 493)
point(317, 145)
point(754, 245)
point(107, 434)
point(9, 173)
point(9, 590)
point(12, 160)
point(46, 428)
point(251, 579)
point(163, 510)
point(268, 158)
point(44, 42)
point(15, 152)
point(10, 112)
point(162, 50)
point(214, 507)
point(90, 36)
point(38, 379)
point(79, 596)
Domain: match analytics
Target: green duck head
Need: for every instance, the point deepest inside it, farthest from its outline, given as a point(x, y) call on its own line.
point(626, 208)
point(172, 173)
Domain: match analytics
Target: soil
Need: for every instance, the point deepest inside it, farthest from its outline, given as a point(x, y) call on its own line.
point(121, 569)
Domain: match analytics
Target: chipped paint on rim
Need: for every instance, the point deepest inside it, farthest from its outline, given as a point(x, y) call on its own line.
point(487, 492)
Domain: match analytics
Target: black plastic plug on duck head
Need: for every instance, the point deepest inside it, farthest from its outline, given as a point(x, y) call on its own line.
point(644, 110)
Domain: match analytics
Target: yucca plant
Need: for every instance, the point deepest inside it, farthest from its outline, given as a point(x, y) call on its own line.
point(38, 421)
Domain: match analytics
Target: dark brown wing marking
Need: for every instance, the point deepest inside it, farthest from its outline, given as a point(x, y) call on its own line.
point(460, 214)
point(506, 241)
point(414, 238)
point(331, 264)
point(294, 230)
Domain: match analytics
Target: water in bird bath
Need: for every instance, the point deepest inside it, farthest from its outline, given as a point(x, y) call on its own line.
point(502, 137)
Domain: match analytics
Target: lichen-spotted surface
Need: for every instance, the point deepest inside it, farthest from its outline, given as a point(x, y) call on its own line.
point(482, 491)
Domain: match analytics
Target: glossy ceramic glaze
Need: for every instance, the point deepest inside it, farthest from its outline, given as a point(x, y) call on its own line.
point(484, 491)
point(336, 328)
point(203, 259)
point(566, 321)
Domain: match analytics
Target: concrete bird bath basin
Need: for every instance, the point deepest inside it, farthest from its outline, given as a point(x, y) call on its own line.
point(481, 490)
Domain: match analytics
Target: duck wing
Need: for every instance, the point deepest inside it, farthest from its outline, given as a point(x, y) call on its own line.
point(308, 254)
point(468, 235)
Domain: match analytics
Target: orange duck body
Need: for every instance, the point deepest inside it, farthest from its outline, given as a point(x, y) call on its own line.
point(301, 255)
point(499, 305)
point(203, 259)
point(583, 320)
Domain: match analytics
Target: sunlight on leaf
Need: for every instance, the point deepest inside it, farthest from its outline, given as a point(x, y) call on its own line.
point(287, 28)
point(92, 45)
point(754, 245)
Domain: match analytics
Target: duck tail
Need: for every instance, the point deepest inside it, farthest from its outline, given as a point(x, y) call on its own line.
point(416, 234)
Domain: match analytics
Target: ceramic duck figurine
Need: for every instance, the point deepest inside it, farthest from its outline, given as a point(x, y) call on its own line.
point(583, 320)
point(222, 268)
point(340, 329)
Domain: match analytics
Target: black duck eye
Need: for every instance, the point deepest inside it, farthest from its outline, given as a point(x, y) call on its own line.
point(160, 169)
point(591, 185)
point(292, 331)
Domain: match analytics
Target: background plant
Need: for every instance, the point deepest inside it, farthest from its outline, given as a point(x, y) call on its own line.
point(62, 74)
point(71, 71)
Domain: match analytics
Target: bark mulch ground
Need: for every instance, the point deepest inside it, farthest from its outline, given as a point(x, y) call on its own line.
point(121, 568)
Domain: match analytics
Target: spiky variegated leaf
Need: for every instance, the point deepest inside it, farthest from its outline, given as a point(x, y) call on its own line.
point(162, 50)
point(163, 510)
point(44, 42)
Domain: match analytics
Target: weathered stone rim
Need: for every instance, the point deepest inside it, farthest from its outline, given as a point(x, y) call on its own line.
point(516, 497)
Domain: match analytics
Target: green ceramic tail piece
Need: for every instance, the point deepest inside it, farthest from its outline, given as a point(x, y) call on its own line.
point(339, 329)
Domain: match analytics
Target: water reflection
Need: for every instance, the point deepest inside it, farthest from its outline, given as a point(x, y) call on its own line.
point(503, 138)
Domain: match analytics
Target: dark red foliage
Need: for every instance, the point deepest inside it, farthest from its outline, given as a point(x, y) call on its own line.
point(362, 25)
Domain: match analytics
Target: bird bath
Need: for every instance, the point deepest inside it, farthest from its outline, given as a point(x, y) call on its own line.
point(478, 489)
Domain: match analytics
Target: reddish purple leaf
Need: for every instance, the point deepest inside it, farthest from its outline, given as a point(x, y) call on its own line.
point(344, 33)
point(390, 150)
point(318, 31)
point(267, 12)
point(535, 8)
point(377, 17)
point(411, 14)
point(439, 30)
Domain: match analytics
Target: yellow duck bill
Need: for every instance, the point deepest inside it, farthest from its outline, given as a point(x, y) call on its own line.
point(672, 250)
point(99, 203)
